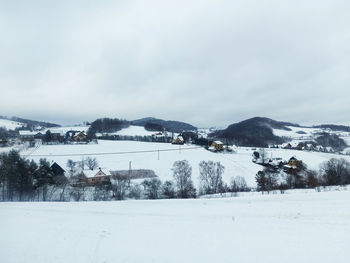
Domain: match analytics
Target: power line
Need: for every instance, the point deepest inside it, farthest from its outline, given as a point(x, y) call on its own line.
point(111, 153)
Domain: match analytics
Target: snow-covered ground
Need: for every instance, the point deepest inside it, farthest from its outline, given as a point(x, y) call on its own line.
point(134, 131)
point(308, 134)
point(116, 155)
point(311, 159)
point(10, 125)
point(299, 227)
point(293, 133)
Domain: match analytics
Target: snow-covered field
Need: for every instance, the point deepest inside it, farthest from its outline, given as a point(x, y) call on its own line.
point(293, 133)
point(309, 133)
point(134, 131)
point(10, 125)
point(296, 227)
point(116, 155)
point(311, 159)
point(235, 164)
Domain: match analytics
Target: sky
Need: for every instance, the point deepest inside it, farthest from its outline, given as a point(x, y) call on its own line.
point(209, 63)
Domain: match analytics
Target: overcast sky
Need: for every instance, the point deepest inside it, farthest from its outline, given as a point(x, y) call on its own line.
point(203, 62)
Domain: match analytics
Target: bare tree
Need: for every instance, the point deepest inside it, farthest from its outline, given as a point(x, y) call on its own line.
point(263, 155)
point(168, 189)
point(238, 184)
point(210, 176)
point(152, 188)
point(135, 191)
point(91, 163)
point(336, 171)
point(119, 186)
point(72, 166)
point(182, 172)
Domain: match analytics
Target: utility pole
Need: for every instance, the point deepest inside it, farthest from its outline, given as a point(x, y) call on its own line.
point(158, 155)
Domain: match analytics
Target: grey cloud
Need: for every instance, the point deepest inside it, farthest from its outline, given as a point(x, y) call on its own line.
point(205, 62)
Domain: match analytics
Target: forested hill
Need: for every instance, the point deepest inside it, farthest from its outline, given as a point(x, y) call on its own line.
point(256, 131)
point(171, 126)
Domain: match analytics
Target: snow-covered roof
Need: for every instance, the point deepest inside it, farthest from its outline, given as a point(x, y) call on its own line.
point(218, 142)
point(97, 172)
point(28, 133)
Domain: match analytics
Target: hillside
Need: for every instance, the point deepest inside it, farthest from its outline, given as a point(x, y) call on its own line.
point(171, 126)
point(256, 131)
point(16, 122)
point(10, 125)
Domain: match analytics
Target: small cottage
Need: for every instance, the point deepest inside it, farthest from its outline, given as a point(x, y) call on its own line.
point(178, 140)
point(218, 145)
point(293, 163)
point(95, 177)
point(80, 137)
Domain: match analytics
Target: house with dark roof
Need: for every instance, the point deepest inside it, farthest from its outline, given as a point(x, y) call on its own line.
point(57, 169)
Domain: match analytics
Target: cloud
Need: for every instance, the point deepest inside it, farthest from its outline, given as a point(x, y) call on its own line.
point(205, 62)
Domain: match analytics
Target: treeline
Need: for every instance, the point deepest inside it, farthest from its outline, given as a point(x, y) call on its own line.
point(331, 140)
point(24, 180)
point(332, 172)
point(8, 134)
point(181, 186)
point(138, 138)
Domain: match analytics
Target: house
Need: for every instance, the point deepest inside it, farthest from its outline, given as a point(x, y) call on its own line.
point(329, 149)
point(93, 177)
point(309, 147)
point(178, 140)
point(57, 169)
point(293, 163)
point(80, 137)
point(300, 146)
point(319, 148)
point(26, 135)
point(286, 146)
point(218, 145)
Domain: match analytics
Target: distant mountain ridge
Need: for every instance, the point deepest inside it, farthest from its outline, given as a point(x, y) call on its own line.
point(172, 126)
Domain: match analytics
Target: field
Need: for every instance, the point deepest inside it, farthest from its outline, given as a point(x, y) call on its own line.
point(116, 155)
point(294, 227)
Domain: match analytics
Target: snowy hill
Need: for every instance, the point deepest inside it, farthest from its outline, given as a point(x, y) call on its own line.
point(307, 134)
point(262, 132)
point(10, 125)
